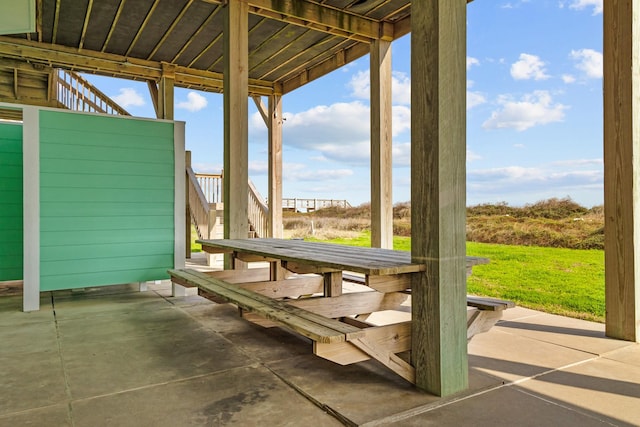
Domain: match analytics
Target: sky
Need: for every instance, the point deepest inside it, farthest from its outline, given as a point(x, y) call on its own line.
point(534, 113)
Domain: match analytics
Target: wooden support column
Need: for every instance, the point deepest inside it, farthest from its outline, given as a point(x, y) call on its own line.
point(165, 92)
point(236, 119)
point(381, 141)
point(438, 150)
point(272, 117)
point(622, 167)
point(275, 166)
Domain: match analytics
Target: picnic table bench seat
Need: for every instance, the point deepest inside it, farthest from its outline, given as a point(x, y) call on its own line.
point(343, 339)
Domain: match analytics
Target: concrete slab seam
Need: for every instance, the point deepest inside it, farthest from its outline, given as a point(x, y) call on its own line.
point(401, 416)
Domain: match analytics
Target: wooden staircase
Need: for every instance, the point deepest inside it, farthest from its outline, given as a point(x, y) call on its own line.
point(206, 208)
point(23, 83)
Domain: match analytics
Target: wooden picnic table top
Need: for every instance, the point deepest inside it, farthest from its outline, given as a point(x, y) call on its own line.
point(369, 261)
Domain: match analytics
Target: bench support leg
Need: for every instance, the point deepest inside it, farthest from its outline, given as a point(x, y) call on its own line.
point(178, 291)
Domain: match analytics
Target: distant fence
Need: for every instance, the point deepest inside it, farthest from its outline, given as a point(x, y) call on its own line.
point(309, 205)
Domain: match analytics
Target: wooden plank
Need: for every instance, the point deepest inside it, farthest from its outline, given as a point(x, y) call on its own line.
point(326, 256)
point(351, 304)
point(387, 358)
point(301, 268)
point(394, 338)
point(481, 321)
point(311, 325)
point(292, 288)
point(11, 287)
point(438, 190)
point(241, 276)
point(621, 168)
point(489, 304)
point(381, 142)
point(390, 283)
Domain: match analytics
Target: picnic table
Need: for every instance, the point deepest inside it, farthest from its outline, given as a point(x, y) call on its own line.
point(302, 289)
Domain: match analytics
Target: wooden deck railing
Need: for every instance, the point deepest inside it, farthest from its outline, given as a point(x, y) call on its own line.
point(258, 212)
point(211, 185)
point(312, 204)
point(77, 94)
point(209, 188)
point(199, 207)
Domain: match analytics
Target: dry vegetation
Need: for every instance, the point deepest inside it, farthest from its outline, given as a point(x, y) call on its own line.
point(560, 223)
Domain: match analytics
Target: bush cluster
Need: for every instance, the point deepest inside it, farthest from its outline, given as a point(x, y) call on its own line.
point(560, 223)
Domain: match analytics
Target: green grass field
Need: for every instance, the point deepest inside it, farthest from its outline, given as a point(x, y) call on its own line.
point(568, 282)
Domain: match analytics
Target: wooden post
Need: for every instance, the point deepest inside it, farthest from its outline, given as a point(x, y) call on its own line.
point(275, 166)
point(165, 92)
point(187, 223)
point(621, 168)
point(438, 150)
point(236, 120)
point(381, 140)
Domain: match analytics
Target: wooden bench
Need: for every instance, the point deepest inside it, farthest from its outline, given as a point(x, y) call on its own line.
point(313, 326)
point(487, 310)
point(343, 339)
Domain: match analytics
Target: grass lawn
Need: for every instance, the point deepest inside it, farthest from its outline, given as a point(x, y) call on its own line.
point(569, 282)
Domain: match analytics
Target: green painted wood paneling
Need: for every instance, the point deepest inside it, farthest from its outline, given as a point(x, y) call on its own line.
point(106, 200)
point(11, 242)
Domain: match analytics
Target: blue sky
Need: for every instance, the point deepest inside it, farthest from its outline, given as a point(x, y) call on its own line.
point(534, 113)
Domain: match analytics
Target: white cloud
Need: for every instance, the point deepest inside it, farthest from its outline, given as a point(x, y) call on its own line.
point(472, 61)
point(589, 62)
point(339, 131)
point(400, 87)
point(568, 78)
point(128, 97)
point(583, 4)
point(529, 184)
point(401, 154)
point(471, 156)
point(317, 175)
point(529, 67)
point(533, 109)
point(474, 99)
point(195, 102)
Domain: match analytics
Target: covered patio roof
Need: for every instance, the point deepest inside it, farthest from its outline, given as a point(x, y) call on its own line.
point(290, 42)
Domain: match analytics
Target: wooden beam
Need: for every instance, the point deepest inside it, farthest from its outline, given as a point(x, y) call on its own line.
point(117, 66)
point(236, 119)
point(86, 23)
point(438, 150)
point(381, 144)
point(321, 17)
point(153, 92)
point(274, 223)
point(621, 168)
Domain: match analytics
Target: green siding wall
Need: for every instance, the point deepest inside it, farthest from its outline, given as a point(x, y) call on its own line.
point(106, 200)
point(11, 246)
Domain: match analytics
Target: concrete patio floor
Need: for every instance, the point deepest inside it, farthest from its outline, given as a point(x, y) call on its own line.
point(118, 357)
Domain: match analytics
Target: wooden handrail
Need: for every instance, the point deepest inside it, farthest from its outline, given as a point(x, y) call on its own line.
point(199, 207)
point(258, 212)
point(313, 204)
point(210, 190)
point(211, 185)
point(76, 93)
